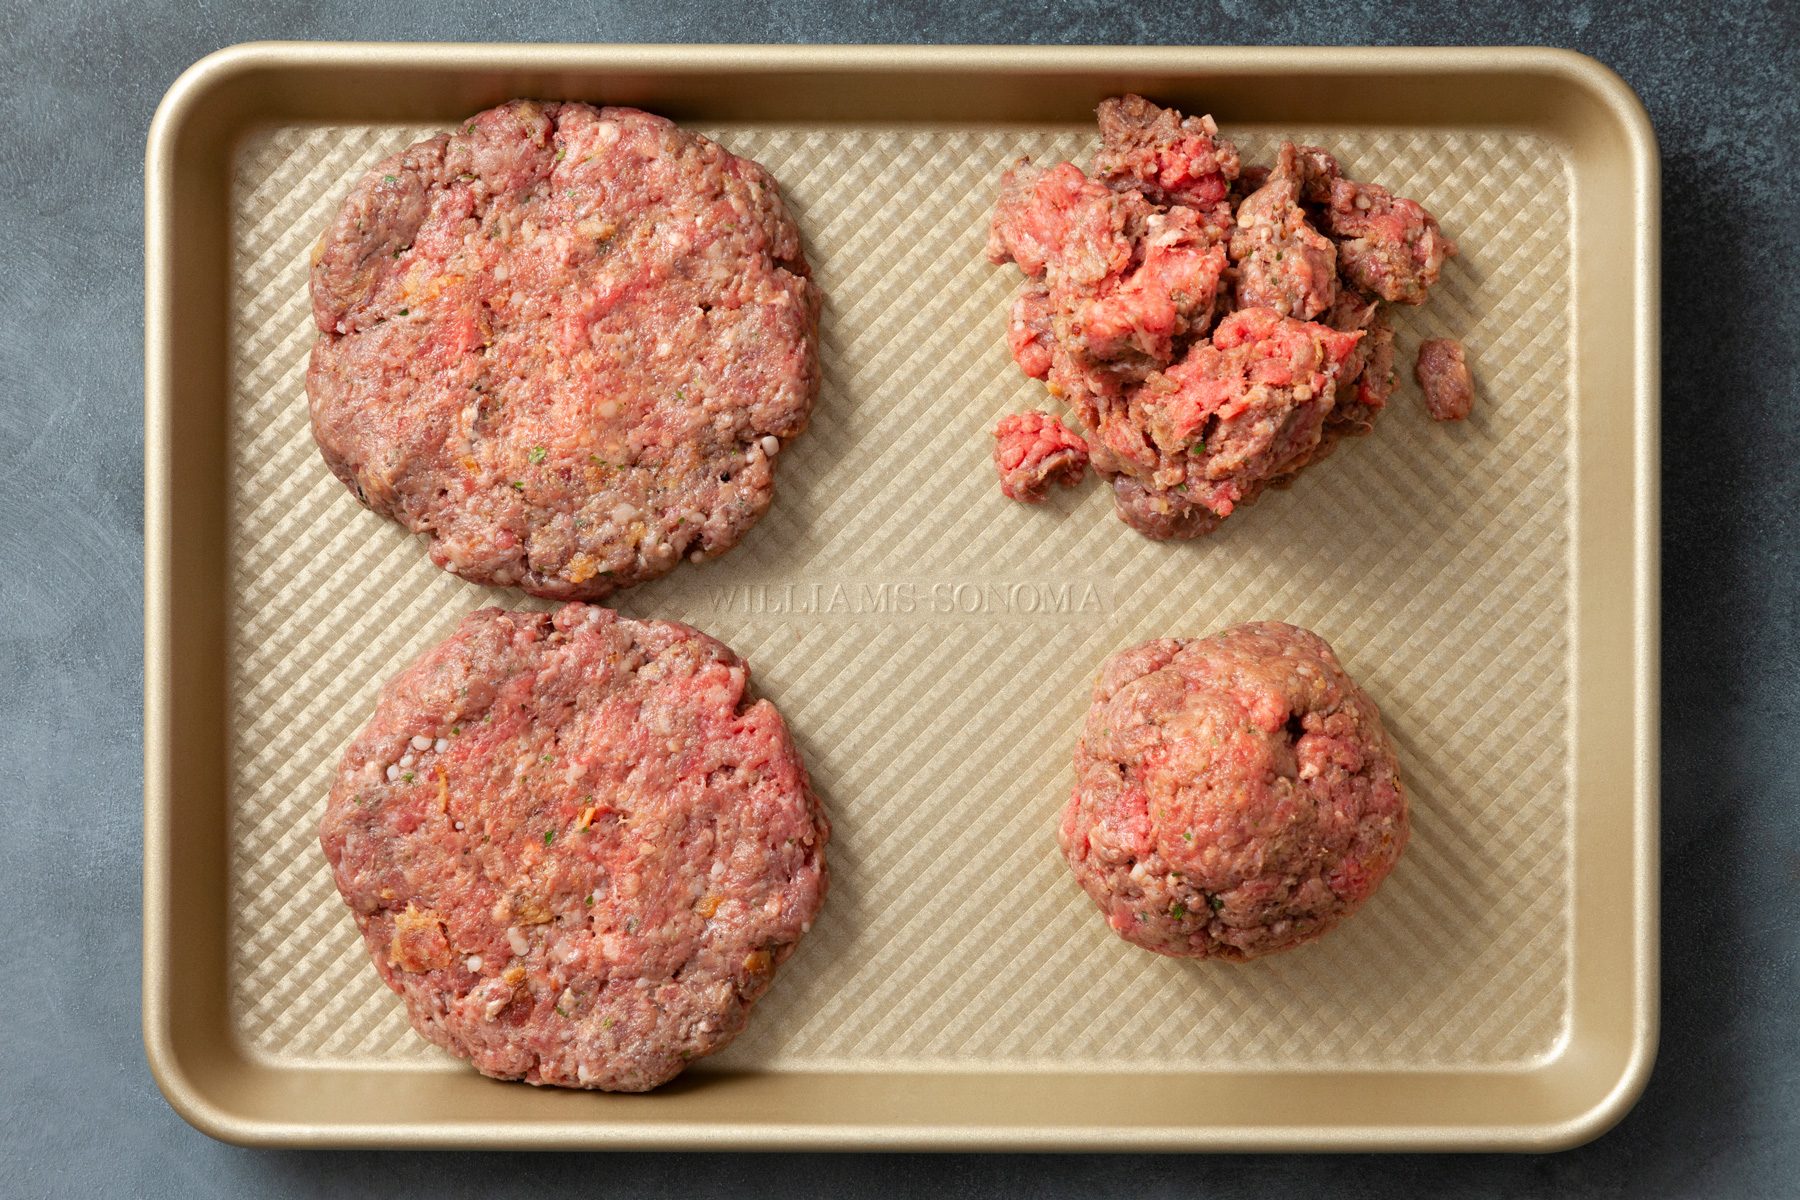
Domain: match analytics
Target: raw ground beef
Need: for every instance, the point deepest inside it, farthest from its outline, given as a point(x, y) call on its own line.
point(575, 846)
point(1214, 328)
point(565, 343)
point(1387, 244)
point(1120, 279)
point(1282, 262)
point(1235, 795)
point(1170, 159)
point(1443, 376)
point(1032, 450)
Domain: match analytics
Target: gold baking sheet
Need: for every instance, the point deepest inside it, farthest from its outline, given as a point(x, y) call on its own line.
point(932, 646)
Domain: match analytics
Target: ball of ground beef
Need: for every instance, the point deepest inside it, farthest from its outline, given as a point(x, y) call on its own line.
point(1235, 795)
point(575, 847)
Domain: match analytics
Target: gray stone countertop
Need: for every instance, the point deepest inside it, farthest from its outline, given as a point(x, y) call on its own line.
point(82, 1115)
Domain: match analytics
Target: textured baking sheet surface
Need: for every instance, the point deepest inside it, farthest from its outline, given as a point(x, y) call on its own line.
point(932, 645)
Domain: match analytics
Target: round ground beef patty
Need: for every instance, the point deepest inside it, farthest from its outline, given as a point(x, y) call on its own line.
point(575, 847)
point(565, 343)
point(1234, 795)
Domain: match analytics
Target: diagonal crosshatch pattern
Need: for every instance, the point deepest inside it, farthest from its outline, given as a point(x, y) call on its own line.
point(1435, 559)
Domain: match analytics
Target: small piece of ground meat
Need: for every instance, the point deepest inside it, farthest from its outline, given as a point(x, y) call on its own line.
point(1363, 386)
point(1161, 516)
point(1033, 450)
point(1058, 215)
point(1170, 159)
point(1387, 244)
point(1239, 409)
point(1282, 262)
point(1168, 291)
point(1028, 332)
point(1121, 280)
point(1368, 375)
point(1444, 376)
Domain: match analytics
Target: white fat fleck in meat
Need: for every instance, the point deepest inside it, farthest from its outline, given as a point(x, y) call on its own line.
point(495, 995)
point(441, 745)
point(771, 444)
point(473, 962)
point(393, 773)
point(407, 760)
point(420, 742)
point(515, 937)
point(584, 1072)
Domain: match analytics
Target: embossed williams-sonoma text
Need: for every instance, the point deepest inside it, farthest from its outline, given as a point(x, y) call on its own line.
point(917, 598)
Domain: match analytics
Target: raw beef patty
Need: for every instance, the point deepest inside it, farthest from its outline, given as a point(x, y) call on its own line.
point(575, 847)
point(565, 343)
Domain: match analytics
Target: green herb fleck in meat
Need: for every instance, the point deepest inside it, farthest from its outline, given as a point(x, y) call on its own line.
point(537, 453)
point(407, 777)
point(560, 1012)
point(1215, 902)
point(549, 836)
point(519, 484)
point(1178, 910)
point(562, 153)
point(390, 179)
